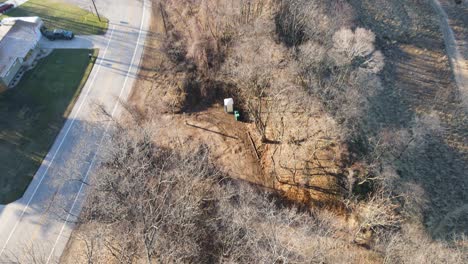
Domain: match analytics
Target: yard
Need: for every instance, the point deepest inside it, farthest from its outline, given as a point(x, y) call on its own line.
point(32, 114)
point(57, 14)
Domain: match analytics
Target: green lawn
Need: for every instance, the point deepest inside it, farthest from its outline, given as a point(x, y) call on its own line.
point(57, 14)
point(32, 114)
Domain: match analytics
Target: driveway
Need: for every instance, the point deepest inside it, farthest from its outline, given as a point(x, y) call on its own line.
point(40, 223)
point(79, 42)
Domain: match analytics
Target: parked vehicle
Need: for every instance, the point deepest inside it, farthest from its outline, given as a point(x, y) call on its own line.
point(57, 34)
point(5, 7)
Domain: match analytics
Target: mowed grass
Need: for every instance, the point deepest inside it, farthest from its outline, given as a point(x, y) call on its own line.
point(57, 14)
point(32, 114)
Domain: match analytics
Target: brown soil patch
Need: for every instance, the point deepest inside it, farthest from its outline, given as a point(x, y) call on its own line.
point(166, 87)
point(418, 80)
point(227, 139)
point(161, 82)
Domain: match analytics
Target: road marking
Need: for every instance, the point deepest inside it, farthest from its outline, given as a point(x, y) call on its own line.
point(58, 148)
point(103, 135)
point(42, 220)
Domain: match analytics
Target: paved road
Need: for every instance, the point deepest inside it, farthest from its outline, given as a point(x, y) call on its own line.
point(41, 222)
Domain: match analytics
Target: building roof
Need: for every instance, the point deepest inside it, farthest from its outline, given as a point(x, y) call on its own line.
point(12, 20)
point(17, 37)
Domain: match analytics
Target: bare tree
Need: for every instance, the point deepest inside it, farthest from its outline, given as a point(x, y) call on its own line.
point(414, 246)
point(343, 76)
point(301, 21)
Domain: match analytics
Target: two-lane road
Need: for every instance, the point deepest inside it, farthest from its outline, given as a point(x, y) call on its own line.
point(40, 223)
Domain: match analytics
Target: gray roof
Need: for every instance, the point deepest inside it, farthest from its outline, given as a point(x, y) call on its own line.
point(16, 40)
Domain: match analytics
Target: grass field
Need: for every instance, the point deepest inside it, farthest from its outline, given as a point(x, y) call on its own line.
point(57, 14)
point(32, 114)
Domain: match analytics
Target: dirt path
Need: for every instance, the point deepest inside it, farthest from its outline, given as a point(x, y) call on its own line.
point(457, 49)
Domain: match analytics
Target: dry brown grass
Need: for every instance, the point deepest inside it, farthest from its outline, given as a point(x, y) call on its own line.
point(149, 203)
point(231, 49)
point(165, 85)
point(158, 71)
point(420, 83)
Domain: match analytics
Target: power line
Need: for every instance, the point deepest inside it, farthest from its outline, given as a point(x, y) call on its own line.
point(95, 8)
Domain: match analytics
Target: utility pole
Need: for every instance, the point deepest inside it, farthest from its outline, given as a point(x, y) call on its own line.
point(95, 8)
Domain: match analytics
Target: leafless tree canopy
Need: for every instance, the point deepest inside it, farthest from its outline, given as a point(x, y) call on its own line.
point(150, 204)
point(159, 205)
point(305, 64)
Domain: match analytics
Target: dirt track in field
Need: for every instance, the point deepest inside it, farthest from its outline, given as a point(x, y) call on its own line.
point(453, 22)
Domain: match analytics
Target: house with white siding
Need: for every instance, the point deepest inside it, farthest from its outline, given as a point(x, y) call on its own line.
point(19, 37)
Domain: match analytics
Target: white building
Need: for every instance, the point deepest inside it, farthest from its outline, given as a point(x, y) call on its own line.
point(19, 37)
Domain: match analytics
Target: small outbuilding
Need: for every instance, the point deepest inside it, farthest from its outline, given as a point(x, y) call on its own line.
point(229, 105)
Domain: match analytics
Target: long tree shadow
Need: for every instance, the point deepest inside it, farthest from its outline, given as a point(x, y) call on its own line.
point(53, 200)
point(418, 81)
point(33, 113)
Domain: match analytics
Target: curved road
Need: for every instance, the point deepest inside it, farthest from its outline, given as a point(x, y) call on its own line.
point(40, 223)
